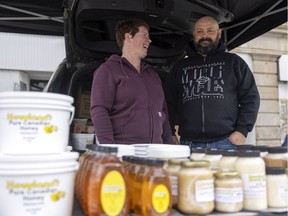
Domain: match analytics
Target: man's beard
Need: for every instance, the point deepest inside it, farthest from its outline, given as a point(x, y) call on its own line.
point(205, 50)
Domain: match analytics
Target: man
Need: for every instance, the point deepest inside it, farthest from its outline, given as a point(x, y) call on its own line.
point(211, 94)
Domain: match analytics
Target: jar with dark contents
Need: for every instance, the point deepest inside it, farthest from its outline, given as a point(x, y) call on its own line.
point(276, 157)
point(277, 152)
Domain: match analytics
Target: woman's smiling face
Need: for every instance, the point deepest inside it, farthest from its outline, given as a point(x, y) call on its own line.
point(140, 42)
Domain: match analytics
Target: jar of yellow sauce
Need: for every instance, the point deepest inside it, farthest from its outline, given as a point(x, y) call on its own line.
point(172, 169)
point(197, 153)
point(195, 188)
point(228, 159)
point(277, 187)
point(251, 168)
point(228, 192)
point(213, 155)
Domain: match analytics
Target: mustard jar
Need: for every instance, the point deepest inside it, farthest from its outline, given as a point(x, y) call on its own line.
point(228, 192)
point(195, 188)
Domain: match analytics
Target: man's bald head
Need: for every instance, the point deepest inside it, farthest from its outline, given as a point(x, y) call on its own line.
point(206, 35)
point(206, 21)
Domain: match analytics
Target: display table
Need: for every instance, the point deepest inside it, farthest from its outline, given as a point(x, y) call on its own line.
point(77, 211)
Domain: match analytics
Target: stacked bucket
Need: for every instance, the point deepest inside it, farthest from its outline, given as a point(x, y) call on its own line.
point(37, 171)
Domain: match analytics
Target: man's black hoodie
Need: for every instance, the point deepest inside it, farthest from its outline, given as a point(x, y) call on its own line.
point(211, 97)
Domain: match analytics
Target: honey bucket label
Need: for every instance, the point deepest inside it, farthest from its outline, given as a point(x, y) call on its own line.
point(29, 125)
point(34, 131)
point(160, 198)
point(113, 193)
point(254, 185)
point(34, 195)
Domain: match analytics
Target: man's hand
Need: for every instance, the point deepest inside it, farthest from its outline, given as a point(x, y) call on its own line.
point(237, 138)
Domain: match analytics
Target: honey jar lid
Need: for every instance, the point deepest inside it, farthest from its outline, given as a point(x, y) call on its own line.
point(200, 163)
point(226, 174)
point(275, 170)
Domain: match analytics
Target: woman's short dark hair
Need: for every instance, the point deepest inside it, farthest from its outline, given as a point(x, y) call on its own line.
point(130, 26)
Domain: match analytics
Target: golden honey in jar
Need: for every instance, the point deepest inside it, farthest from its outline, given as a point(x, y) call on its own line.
point(107, 186)
point(137, 189)
point(79, 174)
point(126, 161)
point(156, 193)
point(85, 171)
point(228, 192)
point(132, 172)
point(172, 169)
point(195, 188)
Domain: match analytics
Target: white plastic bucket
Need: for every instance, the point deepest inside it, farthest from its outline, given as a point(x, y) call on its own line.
point(38, 192)
point(35, 98)
point(34, 122)
point(27, 162)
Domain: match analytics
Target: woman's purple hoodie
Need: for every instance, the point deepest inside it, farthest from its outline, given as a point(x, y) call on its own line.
point(128, 107)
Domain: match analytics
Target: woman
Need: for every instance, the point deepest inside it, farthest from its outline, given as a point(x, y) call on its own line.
point(127, 100)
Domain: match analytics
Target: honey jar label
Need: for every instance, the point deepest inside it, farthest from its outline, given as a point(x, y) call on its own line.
point(174, 185)
point(160, 198)
point(229, 195)
point(254, 185)
point(204, 190)
point(113, 193)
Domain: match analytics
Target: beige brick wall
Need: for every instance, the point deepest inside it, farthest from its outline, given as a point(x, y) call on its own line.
point(265, 50)
point(268, 121)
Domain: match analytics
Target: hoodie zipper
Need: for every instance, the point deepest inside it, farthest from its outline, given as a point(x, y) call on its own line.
point(149, 106)
point(202, 100)
point(141, 77)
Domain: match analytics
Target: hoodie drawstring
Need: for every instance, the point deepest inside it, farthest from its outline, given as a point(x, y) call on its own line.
point(121, 63)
